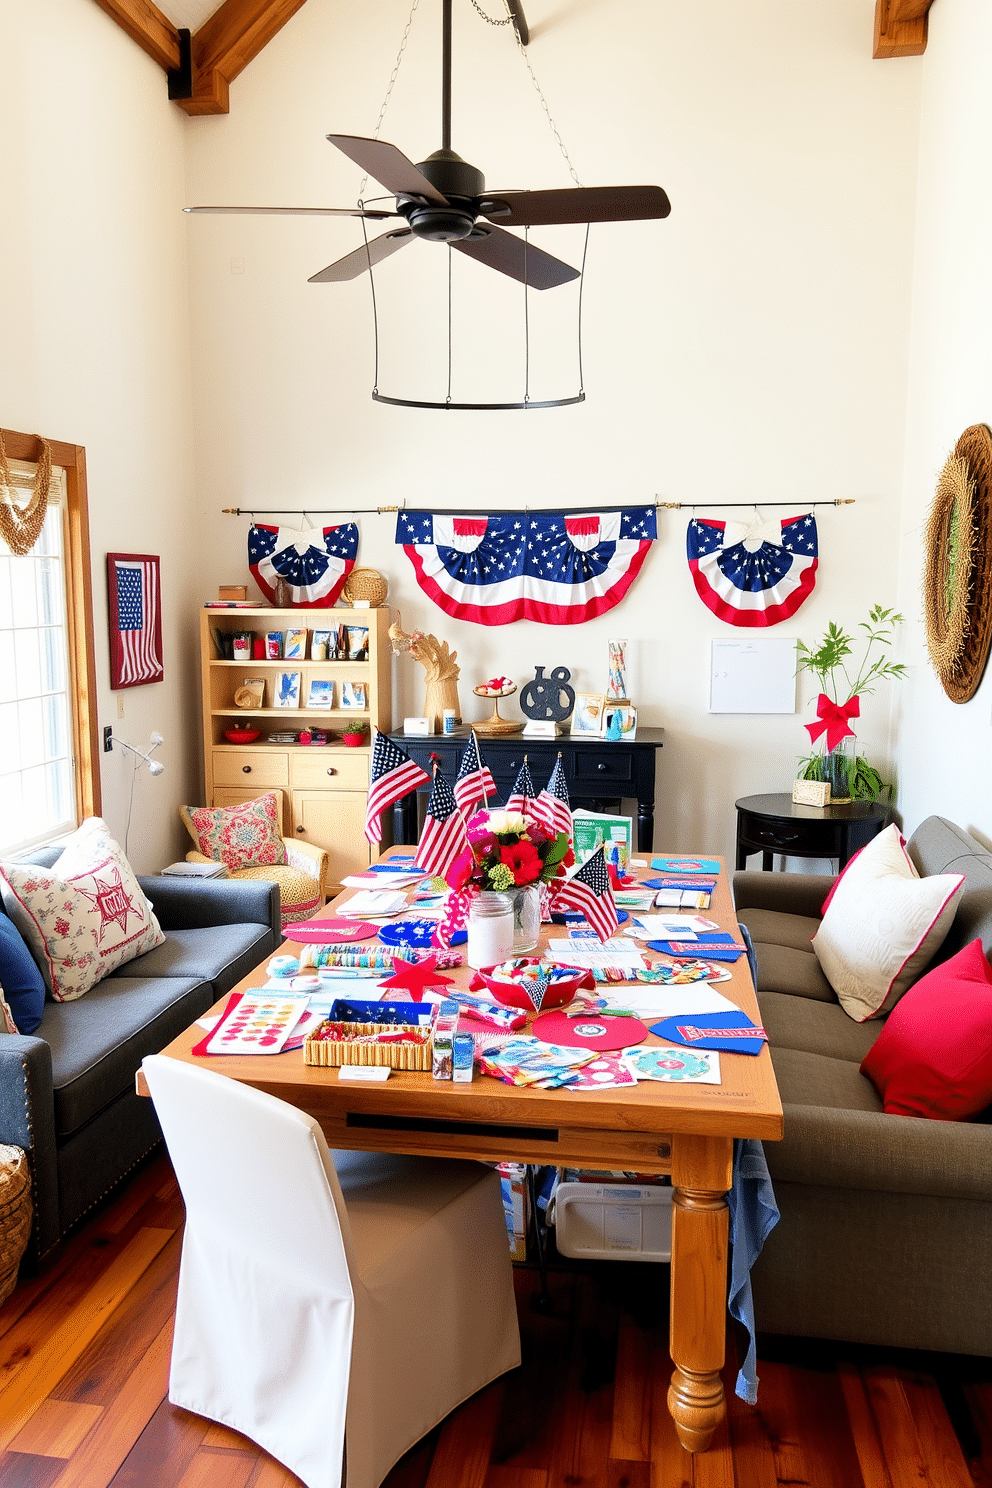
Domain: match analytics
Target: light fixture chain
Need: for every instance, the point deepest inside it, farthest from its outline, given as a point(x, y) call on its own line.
point(491, 19)
point(544, 104)
point(389, 89)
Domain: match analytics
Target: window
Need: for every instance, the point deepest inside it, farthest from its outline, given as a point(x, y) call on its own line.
point(49, 778)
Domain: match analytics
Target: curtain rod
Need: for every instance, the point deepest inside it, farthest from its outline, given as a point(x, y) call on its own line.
point(453, 511)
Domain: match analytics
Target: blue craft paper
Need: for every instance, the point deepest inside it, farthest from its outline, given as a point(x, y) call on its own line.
point(703, 884)
point(667, 1029)
point(697, 949)
point(349, 1010)
point(686, 865)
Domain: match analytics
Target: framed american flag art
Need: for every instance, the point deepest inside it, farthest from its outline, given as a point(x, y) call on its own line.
point(135, 617)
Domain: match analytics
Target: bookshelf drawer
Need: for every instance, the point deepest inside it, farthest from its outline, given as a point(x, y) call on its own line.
point(250, 767)
point(331, 769)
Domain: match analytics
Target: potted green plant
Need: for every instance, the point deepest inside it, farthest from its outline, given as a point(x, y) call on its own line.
point(356, 733)
point(837, 761)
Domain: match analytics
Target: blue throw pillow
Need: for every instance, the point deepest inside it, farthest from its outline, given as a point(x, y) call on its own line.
point(20, 978)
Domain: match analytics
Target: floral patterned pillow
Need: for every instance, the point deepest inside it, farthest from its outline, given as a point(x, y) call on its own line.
point(245, 836)
point(84, 916)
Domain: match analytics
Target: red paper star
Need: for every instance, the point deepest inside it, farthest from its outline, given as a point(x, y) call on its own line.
point(416, 976)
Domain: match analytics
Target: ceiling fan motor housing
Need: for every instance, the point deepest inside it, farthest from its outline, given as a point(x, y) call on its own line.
point(461, 183)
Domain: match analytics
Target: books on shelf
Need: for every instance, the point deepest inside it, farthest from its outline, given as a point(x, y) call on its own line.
point(594, 829)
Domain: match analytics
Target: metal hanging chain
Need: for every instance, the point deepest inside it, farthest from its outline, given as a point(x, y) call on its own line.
point(544, 104)
point(491, 19)
point(389, 91)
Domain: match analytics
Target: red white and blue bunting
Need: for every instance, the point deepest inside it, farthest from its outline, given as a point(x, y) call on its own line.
point(557, 570)
point(753, 575)
point(314, 568)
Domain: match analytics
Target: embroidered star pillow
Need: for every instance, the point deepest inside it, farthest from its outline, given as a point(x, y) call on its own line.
point(84, 916)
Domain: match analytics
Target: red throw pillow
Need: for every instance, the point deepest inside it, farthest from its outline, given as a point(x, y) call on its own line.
point(934, 1055)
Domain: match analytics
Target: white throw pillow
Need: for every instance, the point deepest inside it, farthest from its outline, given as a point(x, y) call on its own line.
point(882, 925)
point(84, 916)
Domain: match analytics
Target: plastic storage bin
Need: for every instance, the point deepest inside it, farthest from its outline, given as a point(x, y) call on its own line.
point(613, 1221)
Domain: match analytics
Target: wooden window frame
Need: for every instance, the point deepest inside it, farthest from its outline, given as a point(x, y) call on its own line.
point(79, 613)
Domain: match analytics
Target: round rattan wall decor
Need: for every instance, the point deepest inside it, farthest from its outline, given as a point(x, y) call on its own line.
point(365, 583)
point(957, 574)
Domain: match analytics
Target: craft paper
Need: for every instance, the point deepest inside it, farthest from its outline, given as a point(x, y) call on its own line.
point(673, 1065)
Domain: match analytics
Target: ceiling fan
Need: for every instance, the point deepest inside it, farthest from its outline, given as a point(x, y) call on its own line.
point(443, 198)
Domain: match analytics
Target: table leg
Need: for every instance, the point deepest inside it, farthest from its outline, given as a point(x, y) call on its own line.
point(405, 818)
point(645, 826)
point(699, 1287)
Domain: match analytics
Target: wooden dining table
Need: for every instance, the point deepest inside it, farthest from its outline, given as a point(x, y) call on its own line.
point(686, 1131)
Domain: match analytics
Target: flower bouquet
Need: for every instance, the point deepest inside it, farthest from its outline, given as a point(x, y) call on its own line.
point(506, 851)
point(512, 854)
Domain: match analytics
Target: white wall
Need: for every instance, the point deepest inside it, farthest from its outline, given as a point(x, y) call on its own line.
point(754, 346)
point(944, 747)
point(94, 347)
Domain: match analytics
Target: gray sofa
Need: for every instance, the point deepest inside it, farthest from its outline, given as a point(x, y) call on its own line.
point(886, 1228)
point(67, 1091)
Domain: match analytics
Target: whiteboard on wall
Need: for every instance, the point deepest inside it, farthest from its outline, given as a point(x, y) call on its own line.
point(756, 675)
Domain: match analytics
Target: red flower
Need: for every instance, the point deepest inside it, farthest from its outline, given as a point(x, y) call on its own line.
point(523, 861)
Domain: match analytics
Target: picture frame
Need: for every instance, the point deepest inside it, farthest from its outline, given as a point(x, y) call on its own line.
point(294, 647)
point(323, 644)
point(134, 614)
point(354, 695)
point(251, 693)
point(589, 716)
point(358, 642)
point(321, 693)
point(286, 691)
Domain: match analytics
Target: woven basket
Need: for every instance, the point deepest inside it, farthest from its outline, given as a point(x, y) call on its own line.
point(365, 583)
point(411, 1056)
point(15, 1215)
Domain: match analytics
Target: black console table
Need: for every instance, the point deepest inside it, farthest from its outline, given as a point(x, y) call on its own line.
point(598, 774)
point(778, 824)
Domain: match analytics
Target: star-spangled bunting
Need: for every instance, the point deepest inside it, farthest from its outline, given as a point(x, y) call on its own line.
point(314, 568)
point(589, 891)
point(536, 987)
point(756, 575)
point(543, 566)
point(523, 795)
point(393, 775)
point(443, 836)
point(551, 807)
point(474, 781)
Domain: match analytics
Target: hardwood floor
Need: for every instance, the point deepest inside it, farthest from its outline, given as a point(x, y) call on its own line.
point(84, 1354)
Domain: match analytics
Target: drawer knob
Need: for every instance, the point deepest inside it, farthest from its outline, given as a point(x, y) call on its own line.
point(331, 770)
point(514, 765)
point(601, 767)
point(246, 769)
point(299, 831)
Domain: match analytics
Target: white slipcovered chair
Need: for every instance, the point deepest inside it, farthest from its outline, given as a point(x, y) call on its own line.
point(333, 1307)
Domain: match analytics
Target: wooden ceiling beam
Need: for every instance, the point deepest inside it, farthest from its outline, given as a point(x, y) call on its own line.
point(146, 25)
point(224, 45)
point(901, 28)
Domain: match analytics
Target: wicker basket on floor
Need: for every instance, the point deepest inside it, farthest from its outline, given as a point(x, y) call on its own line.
point(15, 1215)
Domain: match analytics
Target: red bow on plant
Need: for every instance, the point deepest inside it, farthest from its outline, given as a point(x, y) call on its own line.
point(833, 719)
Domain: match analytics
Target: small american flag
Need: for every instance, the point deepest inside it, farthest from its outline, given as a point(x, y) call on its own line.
point(474, 782)
point(135, 619)
point(589, 890)
point(551, 807)
point(524, 794)
point(443, 836)
point(394, 775)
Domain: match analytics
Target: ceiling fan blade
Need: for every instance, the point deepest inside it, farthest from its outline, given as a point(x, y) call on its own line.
point(356, 263)
point(501, 250)
point(576, 204)
point(388, 165)
point(373, 213)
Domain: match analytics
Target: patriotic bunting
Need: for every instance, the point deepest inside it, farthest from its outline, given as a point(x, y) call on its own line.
point(443, 836)
point(393, 775)
point(755, 575)
point(523, 794)
point(474, 781)
point(543, 566)
point(589, 891)
point(551, 807)
point(314, 570)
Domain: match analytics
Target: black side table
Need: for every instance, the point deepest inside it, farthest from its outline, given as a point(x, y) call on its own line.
point(777, 824)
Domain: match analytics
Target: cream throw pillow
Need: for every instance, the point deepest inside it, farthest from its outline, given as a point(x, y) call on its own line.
point(84, 916)
point(882, 925)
